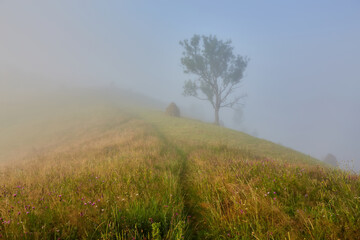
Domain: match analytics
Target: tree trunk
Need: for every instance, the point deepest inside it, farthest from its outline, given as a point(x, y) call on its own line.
point(217, 122)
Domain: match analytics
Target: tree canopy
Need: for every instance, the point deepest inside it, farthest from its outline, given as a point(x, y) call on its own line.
point(217, 69)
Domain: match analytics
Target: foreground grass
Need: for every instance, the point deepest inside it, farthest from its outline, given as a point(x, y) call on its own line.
point(118, 181)
point(242, 187)
point(115, 174)
point(245, 198)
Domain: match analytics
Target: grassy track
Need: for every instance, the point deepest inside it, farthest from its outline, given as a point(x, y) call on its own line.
point(105, 173)
point(240, 187)
point(117, 180)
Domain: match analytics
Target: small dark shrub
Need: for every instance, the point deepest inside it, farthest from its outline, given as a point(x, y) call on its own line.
point(331, 159)
point(173, 110)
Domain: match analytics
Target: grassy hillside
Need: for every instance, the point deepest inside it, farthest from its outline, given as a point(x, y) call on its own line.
point(96, 170)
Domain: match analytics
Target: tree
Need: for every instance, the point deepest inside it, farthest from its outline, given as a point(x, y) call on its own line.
point(331, 159)
point(218, 71)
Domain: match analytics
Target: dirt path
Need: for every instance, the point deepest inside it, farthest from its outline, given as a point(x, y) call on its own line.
point(191, 206)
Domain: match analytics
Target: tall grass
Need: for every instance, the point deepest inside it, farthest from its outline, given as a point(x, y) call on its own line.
point(105, 173)
point(246, 188)
point(245, 198)
point(120, 183)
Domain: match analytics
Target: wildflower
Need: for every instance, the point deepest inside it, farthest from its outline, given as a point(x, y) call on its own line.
point(274, 192)
point(19, 213)
point(14, 195)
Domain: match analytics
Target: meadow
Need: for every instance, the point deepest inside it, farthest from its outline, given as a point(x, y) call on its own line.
point(105, 171)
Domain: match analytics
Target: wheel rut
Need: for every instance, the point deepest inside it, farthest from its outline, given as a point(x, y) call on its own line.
point(189, 195)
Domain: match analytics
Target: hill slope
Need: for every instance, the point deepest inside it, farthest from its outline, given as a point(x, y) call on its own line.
point(94, 169)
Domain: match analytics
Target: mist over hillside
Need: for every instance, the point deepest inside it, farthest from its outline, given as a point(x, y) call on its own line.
point(79, 158)
point(179, 119)
point(301, 81)
point(27, 96)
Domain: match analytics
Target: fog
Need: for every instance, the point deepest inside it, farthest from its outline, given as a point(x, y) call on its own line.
point(302, 81)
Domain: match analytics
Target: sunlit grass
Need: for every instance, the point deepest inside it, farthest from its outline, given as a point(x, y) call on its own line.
point(246, 188)
point(115, 184)
point(106, 173)
point(246, 198)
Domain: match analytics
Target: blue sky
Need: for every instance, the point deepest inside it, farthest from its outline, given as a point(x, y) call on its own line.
point(302, 81)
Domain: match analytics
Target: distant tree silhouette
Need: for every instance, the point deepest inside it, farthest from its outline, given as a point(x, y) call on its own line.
point(331, 159)
point(173, 110)
point(218, 71)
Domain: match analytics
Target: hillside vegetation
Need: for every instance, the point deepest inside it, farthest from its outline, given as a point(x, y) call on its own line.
point(98, 170)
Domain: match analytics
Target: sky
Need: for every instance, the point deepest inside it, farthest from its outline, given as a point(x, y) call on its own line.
point(302, 82)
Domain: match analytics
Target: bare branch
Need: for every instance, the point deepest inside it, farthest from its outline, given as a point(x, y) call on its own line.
point(205, 99)
point(229, 91)
point(235, 101)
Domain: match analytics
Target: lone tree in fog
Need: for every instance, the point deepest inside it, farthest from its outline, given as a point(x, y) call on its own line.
point(218, 71)
point(331, 159)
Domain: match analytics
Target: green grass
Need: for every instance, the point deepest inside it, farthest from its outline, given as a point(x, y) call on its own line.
point(109, 173)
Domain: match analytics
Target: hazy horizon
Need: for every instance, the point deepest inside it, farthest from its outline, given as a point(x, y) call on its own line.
point(301, 83)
